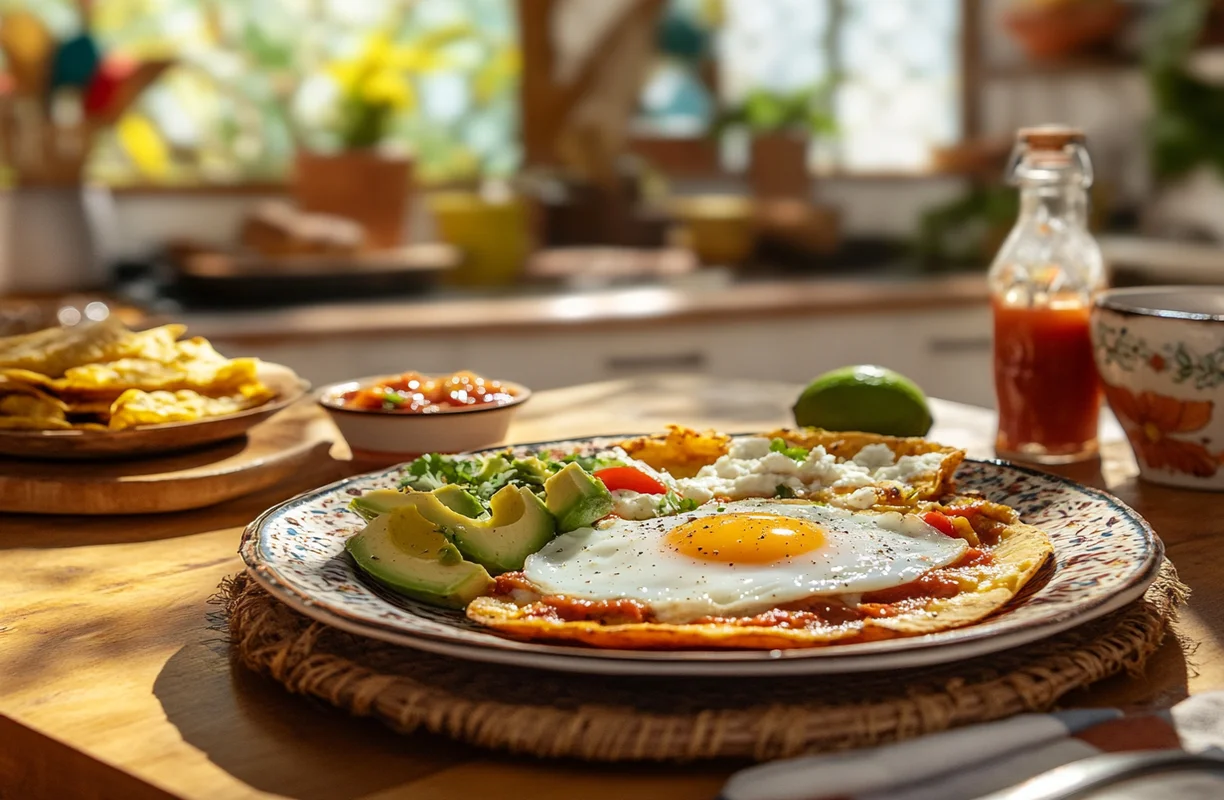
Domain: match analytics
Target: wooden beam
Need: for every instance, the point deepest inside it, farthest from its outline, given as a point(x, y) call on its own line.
point(971, 69)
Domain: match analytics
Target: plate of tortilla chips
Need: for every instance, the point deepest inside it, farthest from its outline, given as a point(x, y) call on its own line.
point(101, 390)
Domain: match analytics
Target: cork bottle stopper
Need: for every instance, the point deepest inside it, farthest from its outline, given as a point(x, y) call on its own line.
point(1050, 137)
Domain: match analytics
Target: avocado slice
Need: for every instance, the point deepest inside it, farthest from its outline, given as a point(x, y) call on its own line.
point(576, 498)
point(380, 501)
point(456, 499)
point(405, 552)
point(532, 470)
point(519, 525)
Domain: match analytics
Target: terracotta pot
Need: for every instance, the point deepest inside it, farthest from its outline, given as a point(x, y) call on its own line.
point(778, 166)
point(1066, 29)
point(363, 185)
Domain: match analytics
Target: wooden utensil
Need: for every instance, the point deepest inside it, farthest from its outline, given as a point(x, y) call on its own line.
point(28, 48)
point(124, 85)
point(75, 62)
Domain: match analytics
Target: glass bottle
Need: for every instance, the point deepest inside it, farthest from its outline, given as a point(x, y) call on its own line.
point(1042, 282)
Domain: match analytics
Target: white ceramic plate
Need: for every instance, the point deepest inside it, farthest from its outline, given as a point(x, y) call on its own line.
point(1106, 555)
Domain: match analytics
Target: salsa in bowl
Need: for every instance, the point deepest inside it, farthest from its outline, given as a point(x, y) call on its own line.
point(413, 413)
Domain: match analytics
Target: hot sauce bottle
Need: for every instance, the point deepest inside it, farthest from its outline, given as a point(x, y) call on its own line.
point(1042, 282)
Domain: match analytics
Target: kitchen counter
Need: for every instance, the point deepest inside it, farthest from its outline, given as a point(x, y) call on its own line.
point(116, 682)
point(935, 329)
point(707, 296)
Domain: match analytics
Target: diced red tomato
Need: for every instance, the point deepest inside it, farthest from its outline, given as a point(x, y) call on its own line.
point(940, 522)
point(630, 478)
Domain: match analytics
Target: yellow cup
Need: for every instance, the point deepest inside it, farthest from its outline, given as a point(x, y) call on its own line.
point(720, 229)
point(492, 233)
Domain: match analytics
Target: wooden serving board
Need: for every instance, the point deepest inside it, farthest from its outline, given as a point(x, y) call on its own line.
point(269, 452)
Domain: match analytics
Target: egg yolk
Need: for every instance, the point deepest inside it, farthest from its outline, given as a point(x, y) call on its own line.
point(745, 538)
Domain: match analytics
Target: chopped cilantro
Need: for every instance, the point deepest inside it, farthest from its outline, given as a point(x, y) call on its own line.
point(797, 453)
point(784, 491)
point(481, 476)
point(673, 503)
point(591, 463)
point(431, 471)
point(394, 398)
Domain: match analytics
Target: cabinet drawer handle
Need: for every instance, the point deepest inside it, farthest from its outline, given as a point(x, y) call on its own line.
point(972, 344)
point(661, 362)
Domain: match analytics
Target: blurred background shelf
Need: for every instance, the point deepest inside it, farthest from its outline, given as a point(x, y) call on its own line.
point(724, 172)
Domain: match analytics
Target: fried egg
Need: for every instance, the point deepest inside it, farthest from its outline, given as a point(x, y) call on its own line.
point(740, 558)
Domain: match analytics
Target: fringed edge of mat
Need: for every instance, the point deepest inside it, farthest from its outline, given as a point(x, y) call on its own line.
point(272, 639)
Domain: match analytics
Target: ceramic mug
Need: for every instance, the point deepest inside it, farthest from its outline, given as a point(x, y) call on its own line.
point(1160, 354)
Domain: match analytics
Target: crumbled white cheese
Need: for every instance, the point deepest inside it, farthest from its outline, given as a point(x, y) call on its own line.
point(627, 504)
point(820, 467)
point(908, 467)
point(860, 498)
point(852, 478)
point(874, 456)
point(747, 447)
point(751, 469)
point(778, 464)
point(692, 490)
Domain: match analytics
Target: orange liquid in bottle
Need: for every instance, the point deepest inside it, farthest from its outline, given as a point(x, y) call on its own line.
point(1046, 383)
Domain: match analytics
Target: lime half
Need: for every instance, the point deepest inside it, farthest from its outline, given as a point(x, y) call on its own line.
point(864, 398)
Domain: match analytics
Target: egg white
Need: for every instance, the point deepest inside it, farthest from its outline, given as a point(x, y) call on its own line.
point(862, 552)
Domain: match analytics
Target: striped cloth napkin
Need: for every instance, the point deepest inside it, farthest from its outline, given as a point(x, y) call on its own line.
point(969, 762)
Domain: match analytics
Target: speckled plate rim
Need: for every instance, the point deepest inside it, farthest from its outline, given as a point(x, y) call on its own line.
point(448, 633)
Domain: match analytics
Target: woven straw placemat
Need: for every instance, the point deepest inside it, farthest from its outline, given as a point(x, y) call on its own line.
point(605, 718)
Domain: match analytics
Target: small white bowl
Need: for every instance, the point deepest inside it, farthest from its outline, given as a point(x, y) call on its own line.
point(399, 433)
point(1160, 354)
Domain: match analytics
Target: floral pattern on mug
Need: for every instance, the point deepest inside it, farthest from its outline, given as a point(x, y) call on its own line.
point(1150, 420)
point(1121, 346)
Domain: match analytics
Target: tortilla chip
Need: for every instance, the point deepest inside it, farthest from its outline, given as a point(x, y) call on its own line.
point(682, 452)
point(94, 382)
point(52, 351)
point(135, 407)
point(15, 377)
point(34, 424)
point(31, 405)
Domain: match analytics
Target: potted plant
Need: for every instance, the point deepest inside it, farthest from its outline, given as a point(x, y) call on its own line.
point(1183, 132)
point(363, 179)
point(781, 125)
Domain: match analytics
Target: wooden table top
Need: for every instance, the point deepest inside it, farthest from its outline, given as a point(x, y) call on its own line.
point(115, 682)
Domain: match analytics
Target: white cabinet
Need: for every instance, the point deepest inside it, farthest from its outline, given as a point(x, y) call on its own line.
point(946, 351)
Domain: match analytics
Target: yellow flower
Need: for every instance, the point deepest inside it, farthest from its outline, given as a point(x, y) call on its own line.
point(388, 88)
point(144, 145)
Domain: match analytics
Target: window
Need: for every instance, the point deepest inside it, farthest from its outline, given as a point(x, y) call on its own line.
point(249, 83)
point(894, 67)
